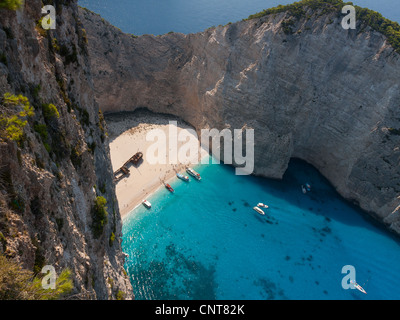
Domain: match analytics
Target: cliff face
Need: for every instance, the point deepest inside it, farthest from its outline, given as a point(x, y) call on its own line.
point(47, 180)
point(311, 90)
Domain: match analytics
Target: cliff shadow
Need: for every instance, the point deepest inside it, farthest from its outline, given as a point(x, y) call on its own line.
point(323, 199)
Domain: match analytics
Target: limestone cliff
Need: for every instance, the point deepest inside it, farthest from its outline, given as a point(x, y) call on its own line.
point(309, 89)
point(51, 178)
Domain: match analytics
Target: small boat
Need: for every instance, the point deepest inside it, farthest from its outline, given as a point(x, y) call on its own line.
point(182, 177)
point(193, 173)
point(169, 187)
point(262, 205)
point(305, 188)
point(358, 287)
point(147, 204)
point(259, 210)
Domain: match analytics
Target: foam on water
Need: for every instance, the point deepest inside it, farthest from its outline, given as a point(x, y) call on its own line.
point(206, 242)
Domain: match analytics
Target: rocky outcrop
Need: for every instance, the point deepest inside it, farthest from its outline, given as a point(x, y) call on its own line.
point(49, 181)
point(309, 89)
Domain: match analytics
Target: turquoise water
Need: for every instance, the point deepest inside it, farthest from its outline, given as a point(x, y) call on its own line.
point(160, 16)
point(206, 242)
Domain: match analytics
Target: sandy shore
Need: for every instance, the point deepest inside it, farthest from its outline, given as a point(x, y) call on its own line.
point(127, 132)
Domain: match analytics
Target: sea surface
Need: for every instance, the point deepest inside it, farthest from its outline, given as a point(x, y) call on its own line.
point(160, 16)
point(205, 241)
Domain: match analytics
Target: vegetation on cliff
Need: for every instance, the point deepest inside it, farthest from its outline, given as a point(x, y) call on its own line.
point(379, 23)
point(99, 216)
point(366, 17)
point(17, 283)
point(13, 116)
point(10, 4)
point(298, 9)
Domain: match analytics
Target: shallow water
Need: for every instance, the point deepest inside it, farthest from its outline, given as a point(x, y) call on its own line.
point(206, 242)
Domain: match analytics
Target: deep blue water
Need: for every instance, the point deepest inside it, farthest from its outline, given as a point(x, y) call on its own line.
point(160, 16)
point(206, 242)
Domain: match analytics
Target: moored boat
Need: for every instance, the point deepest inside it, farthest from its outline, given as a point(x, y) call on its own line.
point(262, 205)
point(259, 210)
point(169, 187)
point(182, 177)
point(147, 204)
point(193, 173)
point(305, 188)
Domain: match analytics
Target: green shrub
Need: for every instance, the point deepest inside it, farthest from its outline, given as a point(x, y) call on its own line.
point(40, 260)
point(297, 9)
point(102, 187)
point(12, 122)
point(13, 100)
point(99, 216)
point(64, 286)
point(377, 22)
point(36, 91)
point(84, 116)
point(15, 128)
point(41, 129)
point(39, 28)
point(120, 295)
point(76, 157)
point(92, 147)
point(17, 283)
point(50, 111)
point(55, 45)
point(3, 241)
point(70, 57)
point(112, 239)
point(287, 26)
point(14, 281)
point(60, 223)
point(11, 4)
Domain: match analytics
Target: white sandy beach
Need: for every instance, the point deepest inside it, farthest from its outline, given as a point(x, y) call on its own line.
point(127, 134)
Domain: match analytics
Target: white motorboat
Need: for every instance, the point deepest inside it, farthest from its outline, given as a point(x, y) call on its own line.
point(259, 210)
point(358, 287)
point(147, 204)
point(193, 173)
point(262, 205)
